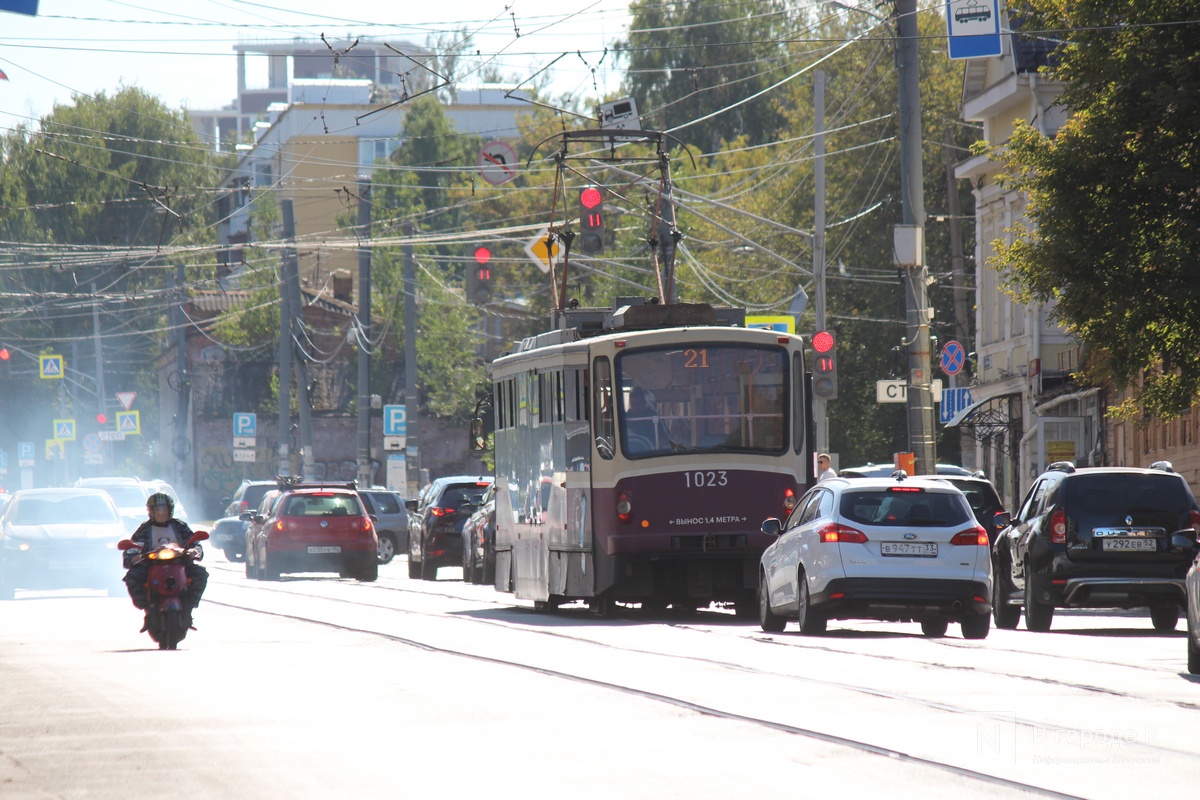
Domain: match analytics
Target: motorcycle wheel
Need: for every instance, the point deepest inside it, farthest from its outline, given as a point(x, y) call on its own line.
point(174, 628)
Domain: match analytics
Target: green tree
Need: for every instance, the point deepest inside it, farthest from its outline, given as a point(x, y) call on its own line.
point(1114, 197)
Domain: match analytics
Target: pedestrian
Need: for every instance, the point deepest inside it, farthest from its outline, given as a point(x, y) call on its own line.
point(823, 468)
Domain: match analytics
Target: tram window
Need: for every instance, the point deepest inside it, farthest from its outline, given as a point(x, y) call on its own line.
point(605, 428)
point(799, 403)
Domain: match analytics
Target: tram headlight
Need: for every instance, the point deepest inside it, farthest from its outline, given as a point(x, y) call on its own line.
point(624, 508)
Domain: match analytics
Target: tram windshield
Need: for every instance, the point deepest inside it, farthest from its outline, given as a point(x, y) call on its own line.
point(702, 398)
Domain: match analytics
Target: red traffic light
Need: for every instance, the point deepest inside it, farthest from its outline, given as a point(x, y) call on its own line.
point(590, 197)
point(483, 255)
point(822, 341)
point(4, 354)
point(102, 418)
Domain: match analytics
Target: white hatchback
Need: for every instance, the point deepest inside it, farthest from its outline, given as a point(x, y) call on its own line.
point(898, 549)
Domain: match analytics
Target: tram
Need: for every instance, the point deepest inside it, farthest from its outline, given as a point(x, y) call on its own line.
point(638, 449)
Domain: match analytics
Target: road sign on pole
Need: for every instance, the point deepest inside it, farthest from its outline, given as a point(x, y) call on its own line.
point(954, 401)
point(954, 356)
point(541, 250)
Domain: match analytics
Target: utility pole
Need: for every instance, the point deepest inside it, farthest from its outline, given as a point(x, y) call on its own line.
point(818, 240)
point(364, 334)
point(285, 351)
point(412, 410)
point(910, 243)
point(181, 446)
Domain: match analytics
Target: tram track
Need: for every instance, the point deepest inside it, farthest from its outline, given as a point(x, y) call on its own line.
point(822, 683)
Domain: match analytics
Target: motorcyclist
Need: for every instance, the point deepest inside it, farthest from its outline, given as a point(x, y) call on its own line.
point(162, 528)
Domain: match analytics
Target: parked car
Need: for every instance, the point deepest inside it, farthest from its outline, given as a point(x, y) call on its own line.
point(61, 538)
point(228, 534)
point(247, 496)
point(984, 501)
point(129, 494)
point(898, 549)
point(387, 511)
point(1097, 537)
point(314, 528)
point(479, 540)
point(254, 519)
point(435, 523)
point(1193, 617)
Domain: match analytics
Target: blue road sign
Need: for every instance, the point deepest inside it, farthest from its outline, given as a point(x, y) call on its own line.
point(245, 425)
point(395, 421)
point(953, 401)
point(29, 7)
point(953, 358)
point(974, 28)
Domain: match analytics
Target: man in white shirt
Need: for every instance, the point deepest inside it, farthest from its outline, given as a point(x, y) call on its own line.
point(823, 468)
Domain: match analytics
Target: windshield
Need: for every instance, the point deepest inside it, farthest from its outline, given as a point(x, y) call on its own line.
point(702, 398)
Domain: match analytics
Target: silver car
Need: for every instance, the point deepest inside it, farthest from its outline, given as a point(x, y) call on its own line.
point(386, 508)
point(60, 538)
point(898, 549)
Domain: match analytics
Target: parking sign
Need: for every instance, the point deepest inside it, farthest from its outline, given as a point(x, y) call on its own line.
point(395, 421)
point(245, 425)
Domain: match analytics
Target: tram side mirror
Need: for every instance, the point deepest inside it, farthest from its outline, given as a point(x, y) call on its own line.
point(478, 438)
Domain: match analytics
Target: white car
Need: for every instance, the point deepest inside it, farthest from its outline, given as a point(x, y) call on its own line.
point(898, 549)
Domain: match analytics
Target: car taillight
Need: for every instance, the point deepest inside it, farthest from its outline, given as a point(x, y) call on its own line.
point(438, 511)
point(243, 507)
point(840, 533)
point(624, 508)
point(365, 523)
point(1058, 527)
point(1194, 515)
point(971, 536)
point(789, 499)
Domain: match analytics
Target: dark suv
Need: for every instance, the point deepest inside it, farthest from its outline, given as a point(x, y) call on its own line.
point(435, 523)
point(1101, 537)
point(247, 497)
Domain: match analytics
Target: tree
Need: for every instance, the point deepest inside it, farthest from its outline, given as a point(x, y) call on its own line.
point(1114, 197)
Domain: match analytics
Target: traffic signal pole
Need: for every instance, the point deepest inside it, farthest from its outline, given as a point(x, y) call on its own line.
point(818, 241)
point(910, 243)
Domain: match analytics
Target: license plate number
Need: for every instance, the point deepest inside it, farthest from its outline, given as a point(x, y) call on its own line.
point(315, 550)
point(1146, 545)
point(919, 549)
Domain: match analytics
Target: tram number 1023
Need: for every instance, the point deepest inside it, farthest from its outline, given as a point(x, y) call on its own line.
point(705, 479)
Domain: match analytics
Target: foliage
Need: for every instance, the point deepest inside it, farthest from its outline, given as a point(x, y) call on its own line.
point(1114, 197)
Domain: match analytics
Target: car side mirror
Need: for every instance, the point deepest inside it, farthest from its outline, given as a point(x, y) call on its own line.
point(1003, 519)
point(374, 519)
point(772, 526)
point(1180, 543)
point(246, 516)
point(410, 505)
point(258, 519)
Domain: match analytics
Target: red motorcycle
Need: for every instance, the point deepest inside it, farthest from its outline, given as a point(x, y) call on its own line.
point(167, 621)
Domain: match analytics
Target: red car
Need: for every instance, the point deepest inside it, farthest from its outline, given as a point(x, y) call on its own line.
point(314, 528)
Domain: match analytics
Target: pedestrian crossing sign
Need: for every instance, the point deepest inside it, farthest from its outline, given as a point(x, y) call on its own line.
point(129, 423)
point(50, 367)
point(64, 430)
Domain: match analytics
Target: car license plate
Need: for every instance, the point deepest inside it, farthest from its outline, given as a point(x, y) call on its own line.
point(1128, 543)
point(920, 549)
point(315, 550)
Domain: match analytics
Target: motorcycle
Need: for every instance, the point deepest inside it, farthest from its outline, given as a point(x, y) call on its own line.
point(167, 621)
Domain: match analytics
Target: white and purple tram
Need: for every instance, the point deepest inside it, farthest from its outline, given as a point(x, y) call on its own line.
point(637, 452)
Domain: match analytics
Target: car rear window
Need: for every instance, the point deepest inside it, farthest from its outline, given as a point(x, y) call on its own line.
point(1115, 493)
point(455, 496)
point(385, 502)
point(322, 505)
point(884, 507)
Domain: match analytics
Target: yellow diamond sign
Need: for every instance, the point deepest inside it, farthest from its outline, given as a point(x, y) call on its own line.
point(542, 251)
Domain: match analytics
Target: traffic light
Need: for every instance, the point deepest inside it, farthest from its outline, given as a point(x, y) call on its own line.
point(5, 355)
point(102, 418)
point(479, 278)
point(591, 220)
point(824, 365)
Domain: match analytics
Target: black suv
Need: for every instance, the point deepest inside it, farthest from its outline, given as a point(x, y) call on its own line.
point(435, 523)
point(984, 501)
point(1101, 537)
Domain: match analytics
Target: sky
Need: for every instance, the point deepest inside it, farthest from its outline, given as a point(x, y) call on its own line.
point(185, 55)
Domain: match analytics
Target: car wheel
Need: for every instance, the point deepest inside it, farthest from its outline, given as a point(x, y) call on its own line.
point(1038, 615)
point(468, 562)
point(1193, 663)
point(268, 571)
point(428, 572)
point(976, 626)
point(1005, 613)
point(767, 619)
point(8, 591)
point(368, 570)
point(1164, 618)
point(387, 548)
point(233, 555)
point(488, 568)
point(935, 626)
point(812, 622)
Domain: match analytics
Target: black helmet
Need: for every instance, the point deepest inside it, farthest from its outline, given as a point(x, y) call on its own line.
point(160, 499)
